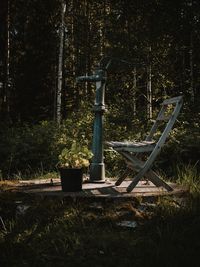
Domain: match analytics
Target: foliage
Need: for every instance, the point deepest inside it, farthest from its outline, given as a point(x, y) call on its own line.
point(77, 156)
point(29, 149)
point(182, 146)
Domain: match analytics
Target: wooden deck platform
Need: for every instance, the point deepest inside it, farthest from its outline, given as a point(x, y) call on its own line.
point(98, 190)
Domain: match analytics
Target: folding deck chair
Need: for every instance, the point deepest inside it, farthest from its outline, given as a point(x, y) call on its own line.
point(132, 150)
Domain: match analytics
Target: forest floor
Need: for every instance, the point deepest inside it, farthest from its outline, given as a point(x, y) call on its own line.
point(43, 230)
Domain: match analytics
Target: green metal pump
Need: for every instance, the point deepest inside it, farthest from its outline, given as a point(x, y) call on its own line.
point(97, 168)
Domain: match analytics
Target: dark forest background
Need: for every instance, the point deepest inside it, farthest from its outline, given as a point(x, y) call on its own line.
point(160, 39)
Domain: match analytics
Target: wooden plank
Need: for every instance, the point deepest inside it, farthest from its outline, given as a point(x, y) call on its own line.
point(142, 149)
point(130, 143)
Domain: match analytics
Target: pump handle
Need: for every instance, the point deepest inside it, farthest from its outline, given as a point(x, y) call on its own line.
point(91, 78)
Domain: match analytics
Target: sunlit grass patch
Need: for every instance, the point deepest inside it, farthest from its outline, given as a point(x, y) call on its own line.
point(188, 175)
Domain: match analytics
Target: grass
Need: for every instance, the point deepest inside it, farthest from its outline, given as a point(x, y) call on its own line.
point(189, 175)
point(63, 232)
point(38, 175)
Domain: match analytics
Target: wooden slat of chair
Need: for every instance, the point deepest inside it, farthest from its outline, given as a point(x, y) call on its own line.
point(137, 147)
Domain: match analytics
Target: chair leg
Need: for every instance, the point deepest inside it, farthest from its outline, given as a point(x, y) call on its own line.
point(135, 181)
point(152, 176)
point(122, 177)
point(136, 164)
point(155, 179)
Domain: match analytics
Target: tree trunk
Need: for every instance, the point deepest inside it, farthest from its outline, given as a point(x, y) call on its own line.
point(60, 65)
point(191, 69)
point(6, 69)
point(134, 92)
point(149, 88)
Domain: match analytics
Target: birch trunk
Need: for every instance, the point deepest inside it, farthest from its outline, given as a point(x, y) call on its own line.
point(6, 84)
point(149, 88)
point(134, 92)
point(60, 66)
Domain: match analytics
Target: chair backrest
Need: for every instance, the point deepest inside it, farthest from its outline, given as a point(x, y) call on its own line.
point(168, 114)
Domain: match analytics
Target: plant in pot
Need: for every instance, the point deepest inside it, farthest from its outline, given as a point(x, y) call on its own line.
point(71, 163)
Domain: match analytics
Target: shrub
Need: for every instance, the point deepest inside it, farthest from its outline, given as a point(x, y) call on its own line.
point(29, 149)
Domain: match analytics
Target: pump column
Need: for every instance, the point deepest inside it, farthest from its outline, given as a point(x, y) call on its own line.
point(97, 168)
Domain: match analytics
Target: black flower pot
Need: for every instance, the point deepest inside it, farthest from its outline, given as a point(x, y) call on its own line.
point(71, 179)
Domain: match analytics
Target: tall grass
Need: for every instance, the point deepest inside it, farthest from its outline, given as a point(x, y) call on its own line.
point(189, 176)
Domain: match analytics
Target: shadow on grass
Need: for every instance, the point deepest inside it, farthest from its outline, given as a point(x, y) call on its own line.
point(54, 232)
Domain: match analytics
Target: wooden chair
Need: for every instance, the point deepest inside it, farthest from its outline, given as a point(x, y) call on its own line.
point(132, 150)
